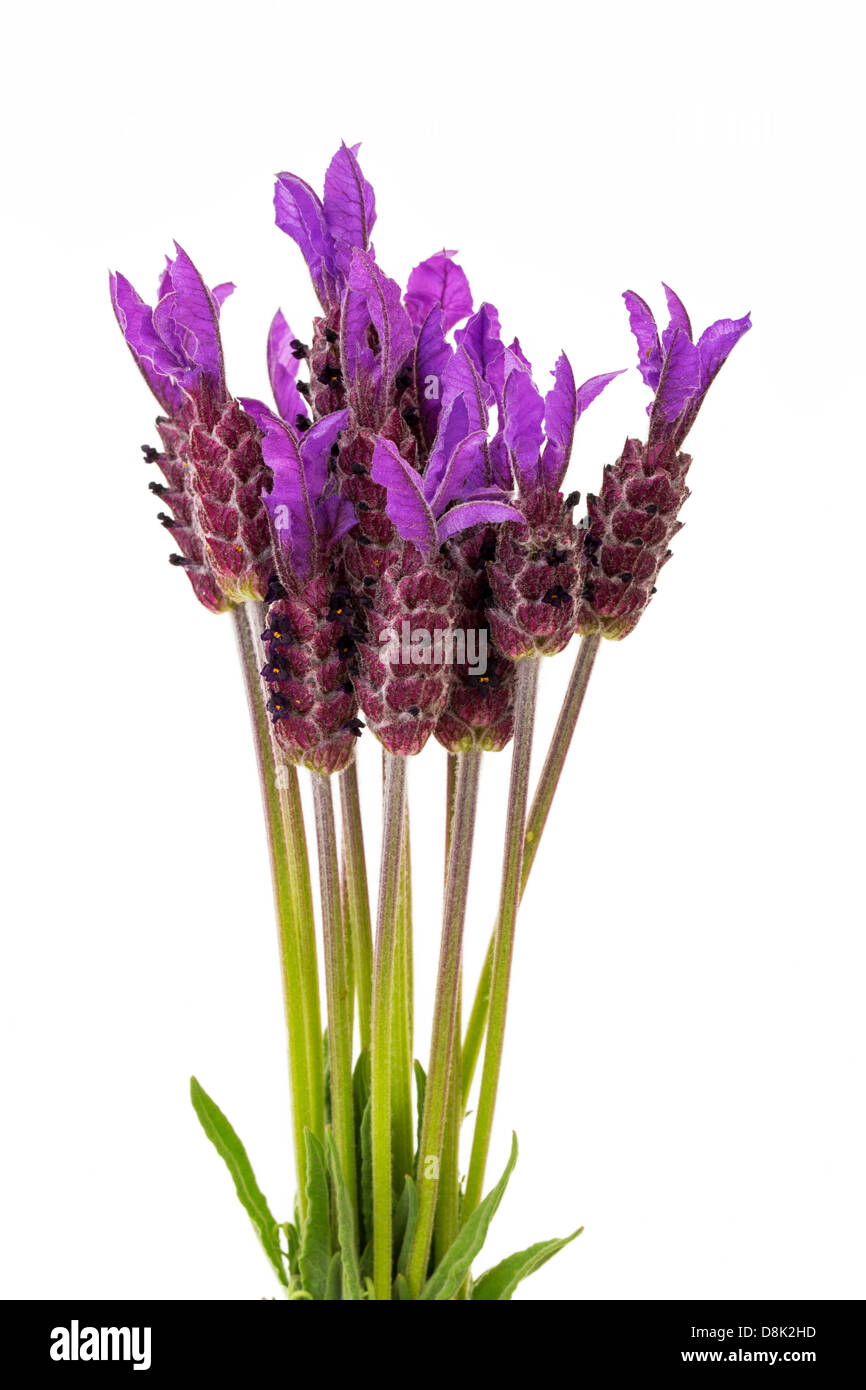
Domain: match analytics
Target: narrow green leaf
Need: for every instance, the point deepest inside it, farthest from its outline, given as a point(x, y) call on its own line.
point(498, 1284)
point(345, 1225)
point(420, 1089)
point(315, 1257)
point(334, 1286)
point(401, 1289)
point(369, 1290)
point(409, 1220)
point(230, 1149)
point(454, 1266)
point(367, 1171)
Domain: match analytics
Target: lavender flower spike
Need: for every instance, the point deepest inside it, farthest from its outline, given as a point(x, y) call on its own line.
point(403, 694)
point(211, 458)
point(632, 521)
point(309, 637)
point(534, 575)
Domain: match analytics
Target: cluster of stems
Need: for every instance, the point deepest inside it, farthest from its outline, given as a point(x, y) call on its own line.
point(373, 969)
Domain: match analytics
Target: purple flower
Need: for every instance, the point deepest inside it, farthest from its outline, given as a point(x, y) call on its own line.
point(429, 510)
point(677, 370)
point(438, 283)
point(211, 459)
point(632, 521)
point(534, 570)
point(307, 514)
point(328, 230)
point(309, 638)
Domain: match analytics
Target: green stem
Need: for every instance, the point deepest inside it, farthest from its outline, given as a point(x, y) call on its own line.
point(444, 1034)
point(358, 897)
point(382, 1019)
point(535, 823)
point(299, 868)
point(336, 982)
point(448, 1196)
point(285, 897)
point(403, 1137)
point(515, 823)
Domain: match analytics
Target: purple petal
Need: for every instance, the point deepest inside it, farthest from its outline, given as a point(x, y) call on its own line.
point(406, 504)
point(643, 326)
point(677, 311)
point(517, 353)
point(220, 293)
point(316, 444)
point(334, 517)
point(283, 369)
point(136, 324)
point(438, 281)
point(357, 359)
point(680, 376)
point(299, 213)
point(716, 342)
point(288, 504)
point(453, 426)
point(524, 412)
point(432, 356)
point(465, 464)
point(349, 206)
point(196, 313)
point(474, 514)
point(587, 393)
point(482, 341)
point(261, 413)
point(385, 307)
point(463, 378)
point(560, 418)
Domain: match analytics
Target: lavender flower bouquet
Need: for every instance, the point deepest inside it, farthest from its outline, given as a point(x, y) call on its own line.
point(394, 540)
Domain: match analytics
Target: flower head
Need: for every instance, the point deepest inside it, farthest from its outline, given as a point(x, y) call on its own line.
point(630, 524)
point(211, 458)
point(310, 634)
point(533, 574)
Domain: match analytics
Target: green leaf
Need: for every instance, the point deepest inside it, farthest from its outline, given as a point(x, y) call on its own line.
point(420, 1089)
point(334, 1286)
point(401, 1289)
point(406, 1221)
point(367, 1171)
point(315, 1257)
point(234, 1155)
point(455, 1264)
point(498, 1284)
point(345, 1225)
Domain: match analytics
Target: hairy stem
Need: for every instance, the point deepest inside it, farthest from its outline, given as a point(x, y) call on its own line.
point(403, 1137)
point(535, 823)
point(358, 897)
point(444, 1033)
point(515, 823)
point(394, 811)
point(336, 982)
point(285, 897)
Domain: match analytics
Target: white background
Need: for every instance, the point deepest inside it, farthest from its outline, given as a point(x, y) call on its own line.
point(684, 1065)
